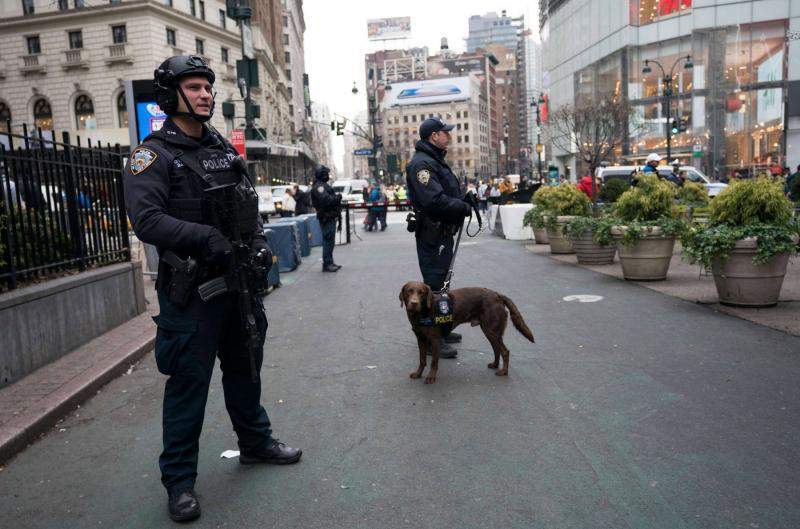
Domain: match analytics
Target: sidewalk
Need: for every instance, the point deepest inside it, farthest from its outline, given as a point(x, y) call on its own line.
point(32, 405)
point(688, 282)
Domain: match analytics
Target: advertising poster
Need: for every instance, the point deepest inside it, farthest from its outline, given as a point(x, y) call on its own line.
point(149, 118)
point(389, 28)
point(430, 91)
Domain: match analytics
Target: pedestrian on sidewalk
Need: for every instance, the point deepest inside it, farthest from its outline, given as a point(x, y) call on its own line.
point(302, 202)
point(436, 197)
point(328, 204)
point(164, 189)
point(289, 203)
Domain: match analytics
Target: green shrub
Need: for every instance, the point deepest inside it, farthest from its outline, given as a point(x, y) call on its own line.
point(43, 234)
point(534, 218)
point(599, 226)
point(693, 194)
point(649, 200)
point(566, 199)
point(611, 190)
point(752, 201)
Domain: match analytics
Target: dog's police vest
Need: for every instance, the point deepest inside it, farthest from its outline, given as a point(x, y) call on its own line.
point(441, 315)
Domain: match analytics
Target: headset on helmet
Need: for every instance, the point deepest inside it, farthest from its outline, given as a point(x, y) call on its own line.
point(165, 83)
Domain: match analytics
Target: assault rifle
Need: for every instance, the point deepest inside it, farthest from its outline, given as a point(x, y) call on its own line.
point(246, 273)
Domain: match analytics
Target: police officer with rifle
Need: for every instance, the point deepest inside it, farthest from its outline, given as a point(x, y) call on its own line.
point(439, 210)
point(188, 193)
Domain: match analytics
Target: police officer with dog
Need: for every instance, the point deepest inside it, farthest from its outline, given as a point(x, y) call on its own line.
point(328, 204)
point(188, 193)
point(439, 209)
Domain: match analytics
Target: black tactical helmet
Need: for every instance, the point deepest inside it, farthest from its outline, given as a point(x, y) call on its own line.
point(165, 83)
point(321, 172)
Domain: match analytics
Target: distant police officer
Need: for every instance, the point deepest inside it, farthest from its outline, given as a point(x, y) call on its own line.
point(165, 185)
point(328, 204)
point(440, 210)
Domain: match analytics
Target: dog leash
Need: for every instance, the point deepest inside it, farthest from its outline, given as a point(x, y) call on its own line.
point(473, 206)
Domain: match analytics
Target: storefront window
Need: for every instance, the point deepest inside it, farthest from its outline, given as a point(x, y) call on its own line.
point(643, 12)
point(42, 115)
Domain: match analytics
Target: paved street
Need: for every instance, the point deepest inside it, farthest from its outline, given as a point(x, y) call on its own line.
point(636, 411)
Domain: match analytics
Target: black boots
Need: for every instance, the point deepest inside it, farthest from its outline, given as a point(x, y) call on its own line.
point(445, 350)
point(183, 506)
point(331, 267)
point(453, 337)
point(274, 453)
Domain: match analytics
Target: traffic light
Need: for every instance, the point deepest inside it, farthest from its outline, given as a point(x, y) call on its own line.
point(674, 126)
point(340, 128)
point(683, 126)
point(378, 142)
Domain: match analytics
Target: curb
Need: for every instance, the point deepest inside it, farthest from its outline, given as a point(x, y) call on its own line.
point(16, 437)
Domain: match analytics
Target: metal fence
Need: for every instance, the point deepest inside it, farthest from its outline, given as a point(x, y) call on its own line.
point(61, 206)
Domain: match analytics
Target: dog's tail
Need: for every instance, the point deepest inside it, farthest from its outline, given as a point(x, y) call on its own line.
point(516, 318)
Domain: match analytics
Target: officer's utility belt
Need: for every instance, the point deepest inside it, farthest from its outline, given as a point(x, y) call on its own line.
point(441, 315)
point(433, 231)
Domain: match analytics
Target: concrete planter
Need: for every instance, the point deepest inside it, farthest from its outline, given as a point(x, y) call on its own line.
point(559, 243)
point(540, 234)
point(591, 253)
point(742, 283)
point(646, 259)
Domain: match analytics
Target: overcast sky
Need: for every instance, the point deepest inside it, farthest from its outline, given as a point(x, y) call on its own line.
point(336, 41)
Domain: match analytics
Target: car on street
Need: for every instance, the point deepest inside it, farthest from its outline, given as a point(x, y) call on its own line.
point(351, 190)
point(266, 206)
point(604, 174)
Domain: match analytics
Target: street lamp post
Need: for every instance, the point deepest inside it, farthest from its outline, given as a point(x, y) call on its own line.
point(537, 103)
point(372, 108)
point(666, 83)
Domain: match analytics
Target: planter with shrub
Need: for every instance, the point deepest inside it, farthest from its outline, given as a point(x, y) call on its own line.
point(647, 228)
point(560, 204)
point(591, 239)
point(747, 242)
point(535, 219)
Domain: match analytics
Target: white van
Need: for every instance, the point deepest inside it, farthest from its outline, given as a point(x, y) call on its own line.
point(605, 174)
point(351, 190)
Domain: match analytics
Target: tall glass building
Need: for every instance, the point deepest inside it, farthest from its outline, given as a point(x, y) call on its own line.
point(739, 102)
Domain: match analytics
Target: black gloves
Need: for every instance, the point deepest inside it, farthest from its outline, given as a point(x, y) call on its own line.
point(218, 249)
point(338, 197)
point(261, 251)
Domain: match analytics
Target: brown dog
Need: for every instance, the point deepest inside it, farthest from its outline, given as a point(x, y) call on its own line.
point(479, 306)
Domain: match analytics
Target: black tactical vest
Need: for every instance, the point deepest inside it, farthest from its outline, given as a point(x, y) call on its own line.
point(196, 170)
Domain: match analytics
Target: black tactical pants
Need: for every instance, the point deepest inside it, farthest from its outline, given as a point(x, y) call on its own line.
point(434, 255)
point(188, 341)
point(328, 240)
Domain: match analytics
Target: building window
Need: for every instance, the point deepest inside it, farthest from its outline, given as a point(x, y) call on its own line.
point(122, 110)
point(224, 54)
point(288, 74)
point(119, 34)
point(75, 40)
point(287, 56)
point(33, 45)
point(63, 5)
point(466, 126)
point(168, 3)
point(466, 138)
point(27, 7)
point(286, 39)
point(79, 4)
point(222, 22)
point(202, 10)
point(193, 8)
point(5, 117)
point(171, 37)
point(465, 115)
point(291, 94)
point(42, 115)
point(84, 113)
point(285, 21)
point(199, 46)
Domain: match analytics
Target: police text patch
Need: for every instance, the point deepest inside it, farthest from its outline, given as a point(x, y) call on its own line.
point(141, 159)
point(424, 176)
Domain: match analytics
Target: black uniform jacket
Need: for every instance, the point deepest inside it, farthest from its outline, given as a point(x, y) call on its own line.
point(432, 186)
point(163, 195)
point(325, 201)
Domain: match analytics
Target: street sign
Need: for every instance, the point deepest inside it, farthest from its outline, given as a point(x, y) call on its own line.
point(237, 139)
point(697, 151)
point(363, 152)
point(247, 41)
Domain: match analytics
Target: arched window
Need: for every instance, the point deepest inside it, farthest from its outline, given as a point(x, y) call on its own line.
point(5, 116)
point(84, 113)
point(42, 115)
point(122, 110)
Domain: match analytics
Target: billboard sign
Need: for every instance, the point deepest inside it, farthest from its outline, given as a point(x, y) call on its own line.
point(238, 141)
point(443, 67)
point(389, 28)
point(770, 101)
point(430, 91)
point(149, 118)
